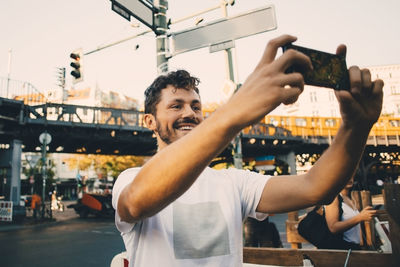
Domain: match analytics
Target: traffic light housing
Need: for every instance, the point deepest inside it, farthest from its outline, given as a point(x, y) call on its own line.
point(76, 64)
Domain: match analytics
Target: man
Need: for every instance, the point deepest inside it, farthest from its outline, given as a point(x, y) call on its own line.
point(175, 211)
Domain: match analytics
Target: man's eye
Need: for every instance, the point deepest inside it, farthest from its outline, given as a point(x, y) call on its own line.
point(196, 108)
point(175, 107)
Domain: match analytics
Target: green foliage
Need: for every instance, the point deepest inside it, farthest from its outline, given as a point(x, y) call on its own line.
point(105, 165)
point(36, 172)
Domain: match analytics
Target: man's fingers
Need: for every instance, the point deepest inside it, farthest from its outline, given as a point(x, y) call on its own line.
point(291, 94)
point(273, 46)
point(341, 50)
point(377, 86)
point(292, 57)
point(293, 80)
point(366, 81)
point(361, 83)
point(355, 80)
point(293, 86)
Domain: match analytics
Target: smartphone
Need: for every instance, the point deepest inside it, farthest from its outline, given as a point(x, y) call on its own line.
point(330, 70)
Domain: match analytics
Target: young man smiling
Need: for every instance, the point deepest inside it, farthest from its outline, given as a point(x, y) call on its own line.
point(175, 211)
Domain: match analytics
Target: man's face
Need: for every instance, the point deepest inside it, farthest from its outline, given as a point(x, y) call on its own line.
point(177, 113)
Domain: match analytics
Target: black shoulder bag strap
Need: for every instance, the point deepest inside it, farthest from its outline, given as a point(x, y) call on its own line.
point(340, 207)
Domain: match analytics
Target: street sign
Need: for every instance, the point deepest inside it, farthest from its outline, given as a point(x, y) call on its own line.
point(222, 46)
point(121, 10)
point(45, 138)
point(6, 211)
point(224, 30)
point(141, 10)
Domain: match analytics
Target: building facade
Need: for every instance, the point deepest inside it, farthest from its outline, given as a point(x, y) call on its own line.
point(321, 102)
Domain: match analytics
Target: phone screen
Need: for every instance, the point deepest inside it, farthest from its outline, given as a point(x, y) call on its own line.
point(330, 70)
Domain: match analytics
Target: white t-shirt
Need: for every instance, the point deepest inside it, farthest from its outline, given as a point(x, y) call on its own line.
point(353, 234)
point(203, 227)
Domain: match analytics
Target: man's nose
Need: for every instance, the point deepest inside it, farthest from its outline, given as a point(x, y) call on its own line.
point(188, 112)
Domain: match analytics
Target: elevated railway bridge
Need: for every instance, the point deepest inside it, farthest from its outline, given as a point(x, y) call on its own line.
point(100, 130)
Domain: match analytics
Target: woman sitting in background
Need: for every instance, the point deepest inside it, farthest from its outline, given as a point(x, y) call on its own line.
point(347, 219)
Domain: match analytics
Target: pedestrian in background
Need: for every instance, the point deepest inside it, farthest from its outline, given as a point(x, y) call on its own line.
point(35, 204)
point(342, 216)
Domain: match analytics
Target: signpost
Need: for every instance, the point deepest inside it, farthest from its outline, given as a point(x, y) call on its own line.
point(224, 30)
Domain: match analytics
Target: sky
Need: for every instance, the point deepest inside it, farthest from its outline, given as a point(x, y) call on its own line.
point(42, 33)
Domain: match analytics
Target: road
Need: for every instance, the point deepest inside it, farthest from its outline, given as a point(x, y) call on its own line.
point(90, 242)
point(74, 242)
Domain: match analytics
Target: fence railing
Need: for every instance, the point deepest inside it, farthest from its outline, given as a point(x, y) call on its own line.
point(20, 90)
point(85, 114)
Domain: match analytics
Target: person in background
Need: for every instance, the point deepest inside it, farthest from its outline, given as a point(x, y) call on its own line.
point(342, 216)
point(261, 233)
point(35, 204)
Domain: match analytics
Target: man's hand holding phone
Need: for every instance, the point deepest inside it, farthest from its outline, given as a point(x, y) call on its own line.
point(359, 97)
point(329, 70)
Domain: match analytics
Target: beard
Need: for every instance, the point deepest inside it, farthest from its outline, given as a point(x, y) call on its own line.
point(168, 136)
point(164, 134)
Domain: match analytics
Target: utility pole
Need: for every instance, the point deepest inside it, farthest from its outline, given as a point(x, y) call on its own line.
point(44, 175)
point(61, 83)
point(161, 27)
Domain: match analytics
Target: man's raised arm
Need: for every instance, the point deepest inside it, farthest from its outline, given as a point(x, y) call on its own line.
point(175, 168)
point(360, 109)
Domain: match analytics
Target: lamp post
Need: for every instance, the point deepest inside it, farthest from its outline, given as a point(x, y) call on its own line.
point(44, 139)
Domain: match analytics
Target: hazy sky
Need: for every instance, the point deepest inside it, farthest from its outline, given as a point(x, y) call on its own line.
point(42, 34)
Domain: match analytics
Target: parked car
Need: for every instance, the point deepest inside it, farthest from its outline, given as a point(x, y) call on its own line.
point(95, 204)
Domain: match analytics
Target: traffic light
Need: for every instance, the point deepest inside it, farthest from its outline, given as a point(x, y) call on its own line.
point(76, 65)
point(61, 77)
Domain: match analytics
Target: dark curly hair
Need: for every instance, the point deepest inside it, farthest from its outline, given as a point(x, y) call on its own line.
point(179, 79)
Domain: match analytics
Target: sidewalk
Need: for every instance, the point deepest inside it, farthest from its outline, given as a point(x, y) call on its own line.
point(29, 221)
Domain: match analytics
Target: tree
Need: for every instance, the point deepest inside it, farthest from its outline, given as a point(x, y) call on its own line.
point(36, 172)
point(105, 165)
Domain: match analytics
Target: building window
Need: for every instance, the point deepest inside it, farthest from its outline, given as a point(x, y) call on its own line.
point(300, 122)
point(330, 122)
point(331, 96)
point(313, 96)
point(393, 90)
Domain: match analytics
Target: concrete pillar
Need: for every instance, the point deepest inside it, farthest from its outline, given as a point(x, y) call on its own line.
point(290, 159)
point(10, 164)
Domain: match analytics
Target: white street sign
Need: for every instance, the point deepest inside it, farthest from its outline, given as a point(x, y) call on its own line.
point(45, 137)
point(228, 29)
point(222, 46)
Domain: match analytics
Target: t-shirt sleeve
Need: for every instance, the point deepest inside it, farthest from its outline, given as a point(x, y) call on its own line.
point(251, 186)
point(124, 179)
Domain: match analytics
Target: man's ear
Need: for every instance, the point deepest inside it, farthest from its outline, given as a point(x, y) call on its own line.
point(150, 121)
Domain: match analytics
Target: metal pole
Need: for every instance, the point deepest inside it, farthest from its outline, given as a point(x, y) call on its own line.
point(161, 28)
point(44, 174)
point(117, 42)
point(9, 69)
point(237, 142)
